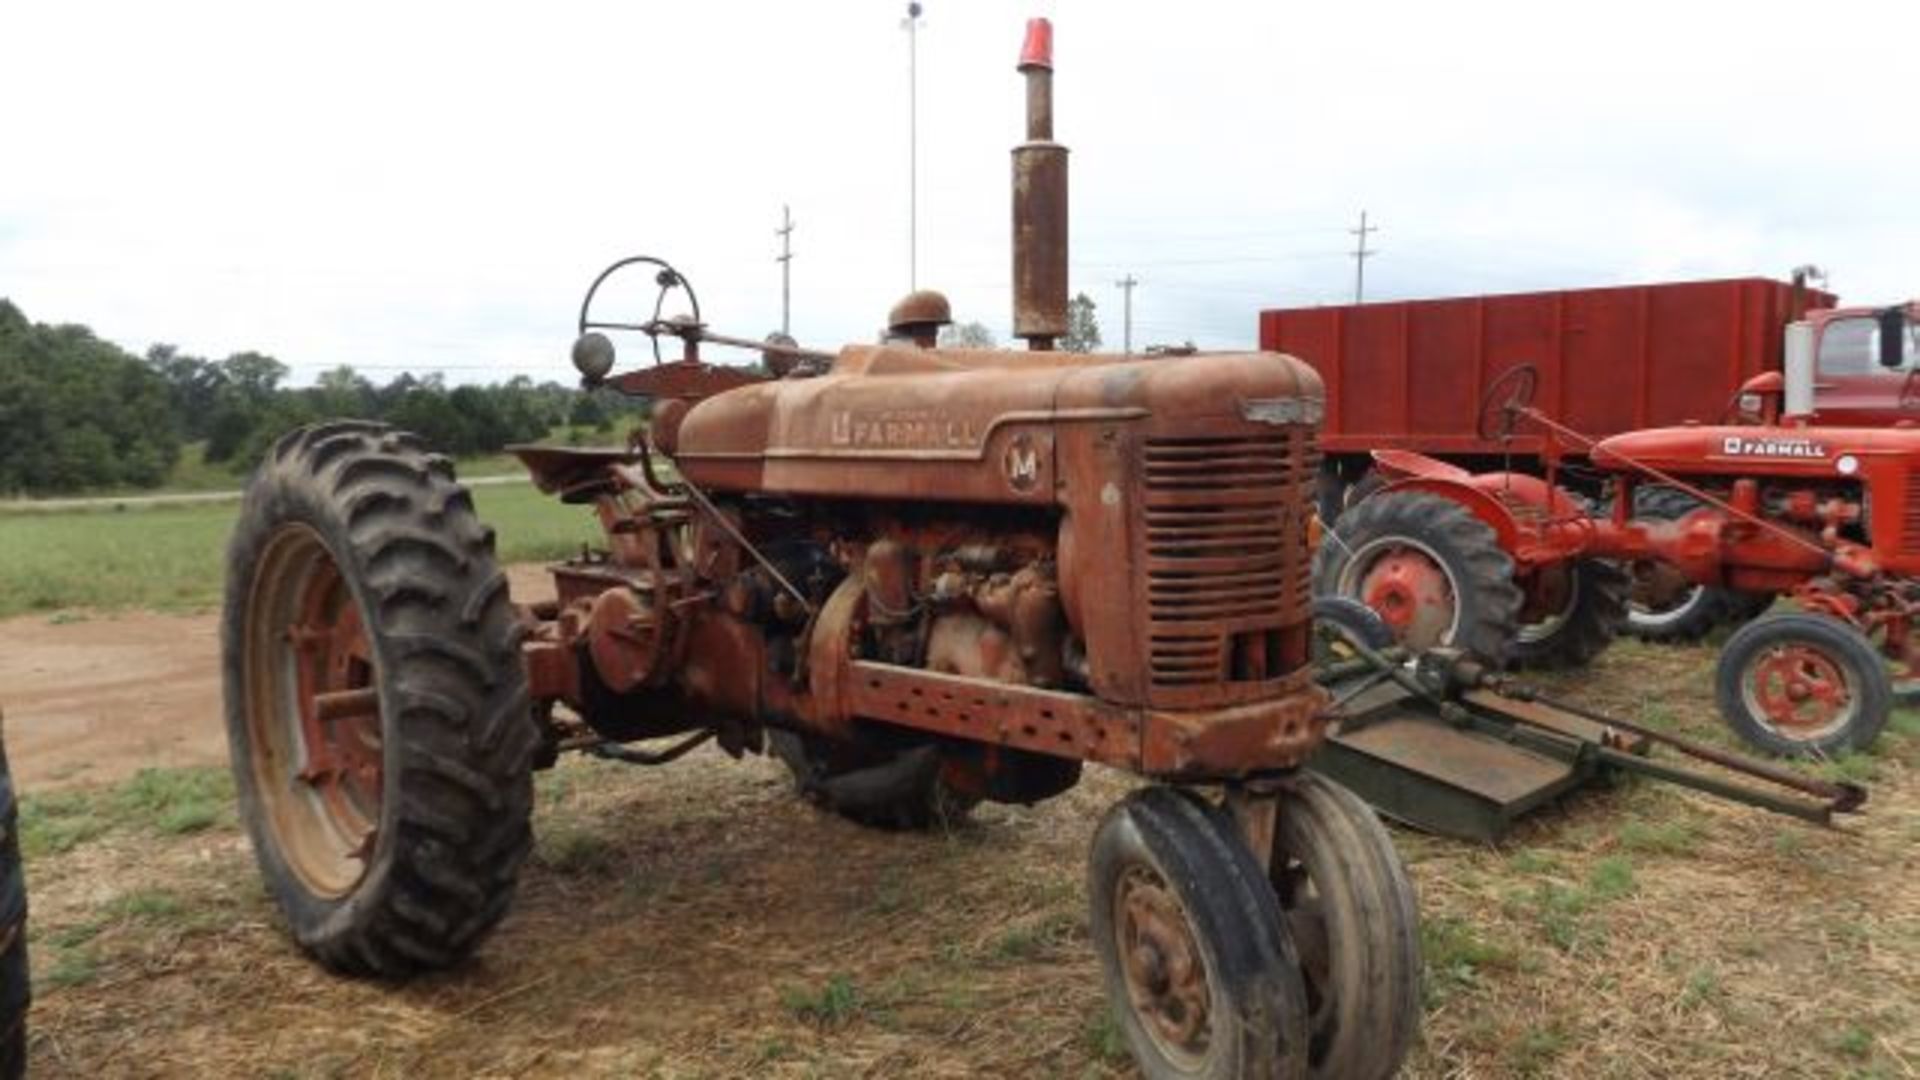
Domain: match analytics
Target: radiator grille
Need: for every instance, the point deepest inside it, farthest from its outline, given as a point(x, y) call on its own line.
point(1225, 547)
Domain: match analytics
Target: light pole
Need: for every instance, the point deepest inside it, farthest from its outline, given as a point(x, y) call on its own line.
point(912, 26)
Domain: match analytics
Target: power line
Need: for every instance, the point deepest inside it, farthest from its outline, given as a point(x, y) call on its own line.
point(1126, 286)
point(1360, 256)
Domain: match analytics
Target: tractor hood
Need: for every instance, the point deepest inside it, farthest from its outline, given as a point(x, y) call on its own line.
point(1774, 451)
point(893, 421)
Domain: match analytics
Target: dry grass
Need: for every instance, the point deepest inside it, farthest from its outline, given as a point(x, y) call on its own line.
point(698, 921)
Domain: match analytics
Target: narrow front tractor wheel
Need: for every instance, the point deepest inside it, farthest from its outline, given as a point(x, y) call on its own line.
point(1430, 568)
point(376, 703)
point(1351, 913)
point(1579, 610)
point(1200, 970)
point(1802, 684)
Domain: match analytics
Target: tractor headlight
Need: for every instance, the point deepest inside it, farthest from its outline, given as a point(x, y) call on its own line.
point(1750, 404)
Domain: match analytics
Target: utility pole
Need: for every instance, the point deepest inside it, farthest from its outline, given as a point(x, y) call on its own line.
point(785, 259)
point(1126, 286)
point(1360, 257)
point(912, 26)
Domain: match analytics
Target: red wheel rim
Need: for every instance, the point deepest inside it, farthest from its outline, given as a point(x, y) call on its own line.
point(314, 723)
point(1799, 692)
point(1410, 588)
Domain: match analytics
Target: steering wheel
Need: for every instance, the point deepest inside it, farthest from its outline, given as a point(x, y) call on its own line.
point(666, 277)
point(1507, 395)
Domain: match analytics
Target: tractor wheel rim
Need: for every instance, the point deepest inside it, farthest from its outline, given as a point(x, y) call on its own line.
point(313, 713)
point(1545, 627)
point(1305, 912)
point(1662, 596)
point(1799, 692)
point(1409, 586)
point(1165, 971)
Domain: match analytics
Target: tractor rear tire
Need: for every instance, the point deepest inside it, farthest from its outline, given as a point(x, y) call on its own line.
point(1698, 609)
point(880, 788)
point(1596, 609)
point(1200, 970)
point(390, 824)
point(1432, 570)
point(1353, 918)
point(16, 986)
point(1803, 685)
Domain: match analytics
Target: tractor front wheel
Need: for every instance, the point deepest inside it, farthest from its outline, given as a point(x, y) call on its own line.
point(1804, 685)
point(376, 702)
point(1199, 965)
point(1432, 570)
point(1351, 913)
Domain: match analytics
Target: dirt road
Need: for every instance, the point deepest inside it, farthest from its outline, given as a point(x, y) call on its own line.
point(97, 697)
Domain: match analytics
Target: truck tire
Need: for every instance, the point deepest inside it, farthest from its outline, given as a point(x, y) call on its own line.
point(1803, 685)
point(1595, 610)
point(1698, 609)
point(16, 987)
point(881, 788)
point(389, 825)
point(1431, 569)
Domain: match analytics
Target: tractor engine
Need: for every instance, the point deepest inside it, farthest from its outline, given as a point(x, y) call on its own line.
point(1028, 559)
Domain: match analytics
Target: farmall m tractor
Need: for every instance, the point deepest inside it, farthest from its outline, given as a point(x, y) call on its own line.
point(1828, 516)
point(923, 577)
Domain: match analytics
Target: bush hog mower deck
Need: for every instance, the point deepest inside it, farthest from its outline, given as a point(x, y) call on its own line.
point(922, 577)
point(1513, 567)
point(1442, 741)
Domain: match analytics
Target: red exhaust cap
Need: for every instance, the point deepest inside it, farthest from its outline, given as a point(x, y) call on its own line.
point(1038, 50)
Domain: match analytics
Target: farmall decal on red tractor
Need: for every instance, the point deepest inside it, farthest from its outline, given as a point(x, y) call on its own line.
point(922, 577)
point(1514, 567)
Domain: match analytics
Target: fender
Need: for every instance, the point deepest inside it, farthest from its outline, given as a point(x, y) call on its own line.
point(1516, 506)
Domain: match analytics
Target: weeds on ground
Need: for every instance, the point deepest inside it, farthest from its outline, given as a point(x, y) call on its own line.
point(167, 801)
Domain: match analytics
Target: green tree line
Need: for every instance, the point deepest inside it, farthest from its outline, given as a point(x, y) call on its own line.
point(80, 413)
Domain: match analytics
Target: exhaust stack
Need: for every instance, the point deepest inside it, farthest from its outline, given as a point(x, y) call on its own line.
point(1039, 204)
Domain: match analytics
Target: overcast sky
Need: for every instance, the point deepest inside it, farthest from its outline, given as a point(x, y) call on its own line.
point(412, 186)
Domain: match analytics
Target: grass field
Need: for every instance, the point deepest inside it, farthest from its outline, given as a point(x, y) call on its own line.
point(699, 921)
point(173, 558)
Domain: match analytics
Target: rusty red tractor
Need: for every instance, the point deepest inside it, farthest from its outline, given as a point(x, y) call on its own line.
point(1519, 569)
point(921, 577)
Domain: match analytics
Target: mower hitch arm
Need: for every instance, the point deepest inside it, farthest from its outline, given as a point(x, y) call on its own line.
point(1840, 797)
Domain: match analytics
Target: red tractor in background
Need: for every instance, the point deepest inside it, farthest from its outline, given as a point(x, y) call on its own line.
point(1405, 375)
point(1788, 505)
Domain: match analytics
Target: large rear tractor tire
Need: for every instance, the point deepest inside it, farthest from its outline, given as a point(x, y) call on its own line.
point(376, 702)
point(879, 787)
point(1666, 608)
point(1803, 685)
point(1200, 969)
point(1351, 913)
point(1587, 609)
point(1431, 569)
point(16, 987)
